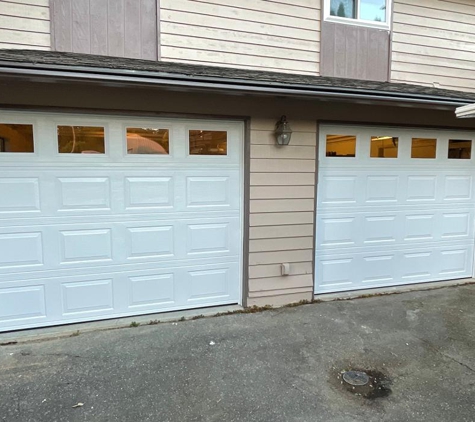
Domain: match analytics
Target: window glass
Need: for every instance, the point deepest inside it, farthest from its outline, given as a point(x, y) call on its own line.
point(343, 8)
point(423, 148)
point(208, 142)
point(373, 10)
point(16, 138)
point(81, 140)
point(147, 141)
point(384, 146)
point(460, 149)
point(341, 145)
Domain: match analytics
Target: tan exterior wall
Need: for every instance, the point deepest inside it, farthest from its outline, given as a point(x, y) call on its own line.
point(25, 24)
point(434, 43)
point(273, 35)
point(282, 202)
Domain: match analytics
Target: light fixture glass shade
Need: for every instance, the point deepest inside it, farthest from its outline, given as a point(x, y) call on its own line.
point(283, 132)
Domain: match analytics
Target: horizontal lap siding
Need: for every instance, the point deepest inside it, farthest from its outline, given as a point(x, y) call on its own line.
point(25, 24)
point(434, 43)
point(252, 34)
point(282, 197)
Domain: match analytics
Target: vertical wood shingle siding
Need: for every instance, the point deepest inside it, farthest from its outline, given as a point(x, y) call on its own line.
point(355, 52)
point(25, 24)
point(121, 28)
point(255, 34)
point(282, 195)
point(434, 43)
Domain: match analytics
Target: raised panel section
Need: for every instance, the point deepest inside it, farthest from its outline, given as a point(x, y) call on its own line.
point(458, 188)
point(19, 194)
point(419, 227)
point(455, 262)
point(149, 242)
point(455, 225)
point(149, 290)
point(338, 190)
point(337, 231)
point(379, 229)
point(208, 192)
point(148, 192)
point(421, 188)
point(378, 269)
point(381, 189)
point(334, 274)
point(417, 265)
point(87, 296)
point(86, 245)
point(21, 249)
point(208, 238)
point(84, 193)
point(20, 303)
point(208, 284)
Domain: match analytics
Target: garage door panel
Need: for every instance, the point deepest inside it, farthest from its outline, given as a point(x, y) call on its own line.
point(390, 221)
point(19, 195)
point(93, 236)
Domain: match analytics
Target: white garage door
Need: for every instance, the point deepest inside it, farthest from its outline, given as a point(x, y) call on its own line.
point(103, 216)
point(395, 206)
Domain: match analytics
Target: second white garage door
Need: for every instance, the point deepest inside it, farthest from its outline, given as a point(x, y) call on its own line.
point(395, 206)
point(103, 217)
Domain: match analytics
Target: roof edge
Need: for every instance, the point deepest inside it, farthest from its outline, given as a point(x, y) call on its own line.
point(168, 79)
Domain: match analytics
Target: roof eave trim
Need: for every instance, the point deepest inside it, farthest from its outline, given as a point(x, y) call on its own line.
point(210, 83)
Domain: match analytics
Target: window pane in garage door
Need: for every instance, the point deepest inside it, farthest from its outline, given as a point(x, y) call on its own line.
point(148, 141)
point(81, 140)
point(341, 146)
point(16, 138)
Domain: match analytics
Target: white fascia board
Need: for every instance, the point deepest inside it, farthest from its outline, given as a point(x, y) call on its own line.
point(465, 111)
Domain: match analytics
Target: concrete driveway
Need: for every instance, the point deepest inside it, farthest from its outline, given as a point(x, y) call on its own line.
point(279, 365)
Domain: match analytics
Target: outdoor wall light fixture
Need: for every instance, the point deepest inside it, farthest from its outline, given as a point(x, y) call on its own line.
point(283, 133)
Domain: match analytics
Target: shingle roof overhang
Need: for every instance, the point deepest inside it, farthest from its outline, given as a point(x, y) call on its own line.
point(38, 65)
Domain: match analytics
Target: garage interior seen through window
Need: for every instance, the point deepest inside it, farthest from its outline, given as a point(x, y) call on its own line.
point(16, 138)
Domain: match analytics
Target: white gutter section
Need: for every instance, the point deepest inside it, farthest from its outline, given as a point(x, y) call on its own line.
point(465, 111)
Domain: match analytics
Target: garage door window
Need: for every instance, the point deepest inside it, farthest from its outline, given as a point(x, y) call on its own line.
point(460, 149)
point(148, 141)
point(208, 142)
point(384, 146)
point(341, 146)
point(16, 138)
point(81, 140)
point(423, 148)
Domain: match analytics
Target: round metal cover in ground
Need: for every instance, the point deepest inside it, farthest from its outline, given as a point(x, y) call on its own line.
point(356, 378)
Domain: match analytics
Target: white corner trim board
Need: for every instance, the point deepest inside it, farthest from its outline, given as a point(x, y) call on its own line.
point(467, 111)
point(89, 236)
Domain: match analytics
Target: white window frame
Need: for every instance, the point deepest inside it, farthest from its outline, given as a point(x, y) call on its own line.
point(359, 22)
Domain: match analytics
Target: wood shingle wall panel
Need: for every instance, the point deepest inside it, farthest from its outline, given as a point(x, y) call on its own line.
point(120, 28)
point(282, 202)
point(434, 43)
point(25, 24)
point(254, 34)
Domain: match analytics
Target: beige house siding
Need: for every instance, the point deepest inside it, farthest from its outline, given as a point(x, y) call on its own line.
point(273, 35)
point(282, 195)
point(434, 43)
point(25, 24)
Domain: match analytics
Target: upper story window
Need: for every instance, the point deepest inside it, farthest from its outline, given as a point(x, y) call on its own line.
point(373, 13)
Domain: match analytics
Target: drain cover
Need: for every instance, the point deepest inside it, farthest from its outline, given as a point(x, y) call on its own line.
point(356, 378)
